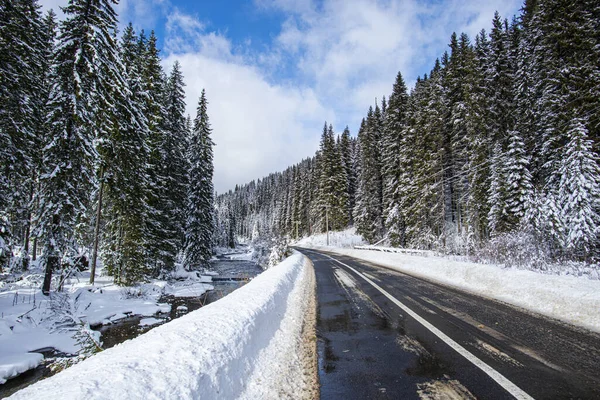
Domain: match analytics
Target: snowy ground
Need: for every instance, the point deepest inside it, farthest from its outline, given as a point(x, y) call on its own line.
point(242, 346)
point(575, 300)
point(346, 239)
point(30, 321)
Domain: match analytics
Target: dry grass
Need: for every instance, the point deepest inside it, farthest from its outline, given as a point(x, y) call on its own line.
point(309, 339)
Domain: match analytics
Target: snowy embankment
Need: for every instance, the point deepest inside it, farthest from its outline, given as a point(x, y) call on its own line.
point(30, 321)
point(571, 299)
point(250, 344)
point(345, 238)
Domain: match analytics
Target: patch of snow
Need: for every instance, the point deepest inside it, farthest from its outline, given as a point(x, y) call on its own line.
point(30, 321)
point(150, 321)
point(15, 364)
point(113, 303)
point(570, 299)
point(247, 256)
point(345, 239)
point(188, 289)
point(345, 279)
point(228, 349)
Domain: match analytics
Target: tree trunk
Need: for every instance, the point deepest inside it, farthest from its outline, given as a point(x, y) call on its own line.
point(25, 255)
point(97, 228)
point(52, 258)
point(35, 239)
point(51, 264)
point(34, 250)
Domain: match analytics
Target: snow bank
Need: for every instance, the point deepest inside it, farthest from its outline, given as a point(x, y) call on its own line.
point(30, 321)
point(570, 299)
point(15, 364)
point(188, 289)
point(346, 239)
point(233, 348)
point(111, 303)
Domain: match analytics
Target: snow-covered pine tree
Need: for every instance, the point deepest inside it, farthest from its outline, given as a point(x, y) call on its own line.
point(339, 218)
point(423, 160)
point(175, 147)
point(368, 209)
point(394, 125)
point(579, 193)
point(517, 180)
point(163, 238)
point(126, 185)
point(345, 149)
point(479, 142)
point(199, 212)
point(333, 184)
point(40, 139)
point(500, 78)
point(22, 58)
point(81, 93)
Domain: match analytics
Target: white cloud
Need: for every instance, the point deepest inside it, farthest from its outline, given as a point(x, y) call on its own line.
point(340, 55)
point(351, 50)
point(143, 14)
point(258, 127)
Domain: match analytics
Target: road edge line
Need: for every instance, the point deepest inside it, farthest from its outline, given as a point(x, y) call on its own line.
point(500, 379)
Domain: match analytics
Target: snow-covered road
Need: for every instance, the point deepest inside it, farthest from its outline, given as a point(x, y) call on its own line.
point(250, 344)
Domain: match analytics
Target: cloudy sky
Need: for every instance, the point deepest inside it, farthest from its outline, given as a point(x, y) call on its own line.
point(275, 70)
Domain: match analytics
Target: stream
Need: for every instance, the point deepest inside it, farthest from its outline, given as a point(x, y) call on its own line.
point(232, 274)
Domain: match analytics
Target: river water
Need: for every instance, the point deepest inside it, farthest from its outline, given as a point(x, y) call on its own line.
point(232, 274)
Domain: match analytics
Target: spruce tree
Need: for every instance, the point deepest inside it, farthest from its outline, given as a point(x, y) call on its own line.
point(345, 149)
point(199, 216)
point(126, 185)
point(369, 210)
point(22, 57)
point(519, 188)
point(394, 125)
point(163, 238)
point(579, 193)
point(82, 80)
point(175, 147)
point(333, 183)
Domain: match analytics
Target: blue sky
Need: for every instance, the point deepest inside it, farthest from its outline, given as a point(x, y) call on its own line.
point(275, 70)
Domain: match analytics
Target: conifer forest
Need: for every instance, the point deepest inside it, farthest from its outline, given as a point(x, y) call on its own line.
point(98, 159)
point(493, 154)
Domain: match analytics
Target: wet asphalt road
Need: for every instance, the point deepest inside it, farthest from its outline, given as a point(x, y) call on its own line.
point(370, 348)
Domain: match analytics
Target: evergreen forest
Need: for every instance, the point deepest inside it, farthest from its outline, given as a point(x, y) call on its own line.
point(493, 153)
point(98, 159)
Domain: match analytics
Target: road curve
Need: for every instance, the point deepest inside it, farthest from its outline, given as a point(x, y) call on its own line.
point(388, 335)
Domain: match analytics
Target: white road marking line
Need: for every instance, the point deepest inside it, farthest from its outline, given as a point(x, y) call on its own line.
point(510, 387)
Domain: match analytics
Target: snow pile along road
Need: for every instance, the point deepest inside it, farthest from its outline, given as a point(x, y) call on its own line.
point(246, 345)
point(346, 238)
point(574, 300)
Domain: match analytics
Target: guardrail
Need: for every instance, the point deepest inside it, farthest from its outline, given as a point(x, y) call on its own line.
point(395, 250)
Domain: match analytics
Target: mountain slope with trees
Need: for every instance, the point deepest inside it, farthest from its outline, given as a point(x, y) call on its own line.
point(494, 151)
point(98, 159)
